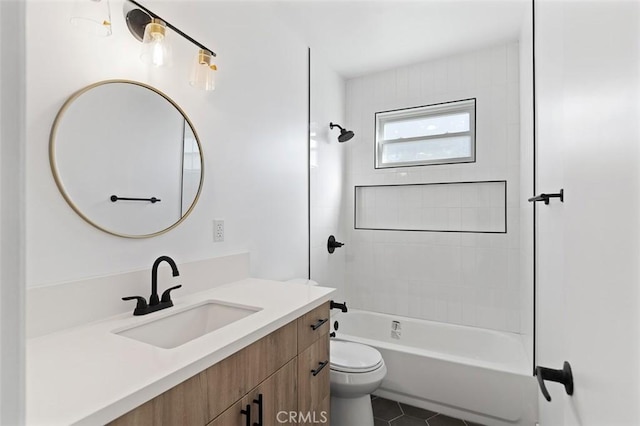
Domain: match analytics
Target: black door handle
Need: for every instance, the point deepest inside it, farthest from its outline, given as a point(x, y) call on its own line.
point(259, 402)
point(546, 197)
point(247, 412)
point(563, 376)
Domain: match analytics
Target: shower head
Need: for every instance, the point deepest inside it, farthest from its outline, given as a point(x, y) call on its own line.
point(345, 134)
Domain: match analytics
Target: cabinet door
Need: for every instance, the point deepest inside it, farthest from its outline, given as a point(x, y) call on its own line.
point(232, 378)
point(233, 416)
point(277, 396)
point(313, 383)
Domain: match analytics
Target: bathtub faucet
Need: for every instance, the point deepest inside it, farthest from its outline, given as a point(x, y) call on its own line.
point(342, 306)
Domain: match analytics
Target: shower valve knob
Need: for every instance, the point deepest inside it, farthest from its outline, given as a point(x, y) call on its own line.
point(332, 244)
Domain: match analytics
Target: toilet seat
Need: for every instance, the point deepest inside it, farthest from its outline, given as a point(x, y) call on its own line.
point(350, 357)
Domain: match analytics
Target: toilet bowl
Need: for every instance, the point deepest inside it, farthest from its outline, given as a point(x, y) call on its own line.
point(356, 371)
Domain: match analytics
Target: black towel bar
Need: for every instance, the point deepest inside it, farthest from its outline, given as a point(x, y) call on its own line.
point(152, 200)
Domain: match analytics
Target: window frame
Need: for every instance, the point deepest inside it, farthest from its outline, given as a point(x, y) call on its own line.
point(433, 110)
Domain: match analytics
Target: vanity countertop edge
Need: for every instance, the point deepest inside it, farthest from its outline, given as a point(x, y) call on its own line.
point(88, 375)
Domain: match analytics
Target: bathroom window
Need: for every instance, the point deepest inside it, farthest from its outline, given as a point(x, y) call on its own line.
point(427, 135)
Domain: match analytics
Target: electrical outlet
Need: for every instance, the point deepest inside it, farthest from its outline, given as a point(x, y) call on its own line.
point(218, 231)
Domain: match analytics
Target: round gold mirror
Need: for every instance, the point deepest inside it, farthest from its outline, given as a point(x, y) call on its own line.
point(126, 158)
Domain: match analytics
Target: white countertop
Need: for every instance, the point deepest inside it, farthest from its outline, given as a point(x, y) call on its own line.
point(88, 375)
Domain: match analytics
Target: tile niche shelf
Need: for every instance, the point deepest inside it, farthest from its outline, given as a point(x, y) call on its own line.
point(474, 207)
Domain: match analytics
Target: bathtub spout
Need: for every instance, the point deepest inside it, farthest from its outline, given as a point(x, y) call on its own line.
point(342, 306)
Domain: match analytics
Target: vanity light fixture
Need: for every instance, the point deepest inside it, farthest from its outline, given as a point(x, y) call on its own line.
point(202, 71)
point(156, 50)
point(151, 30)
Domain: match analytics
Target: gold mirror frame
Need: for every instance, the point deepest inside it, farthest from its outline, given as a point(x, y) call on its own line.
point(58, 179)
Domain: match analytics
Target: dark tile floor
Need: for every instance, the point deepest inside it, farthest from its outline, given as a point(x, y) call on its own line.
point(392, 413)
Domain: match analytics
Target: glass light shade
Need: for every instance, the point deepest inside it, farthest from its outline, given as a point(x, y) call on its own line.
point(156, 50)
point(92, 16)
point(203, 71)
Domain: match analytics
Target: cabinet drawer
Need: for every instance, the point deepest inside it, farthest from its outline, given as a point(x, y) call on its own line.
point(313, 379)
point(313, 325)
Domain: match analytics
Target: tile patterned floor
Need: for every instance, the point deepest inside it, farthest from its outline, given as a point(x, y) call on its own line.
point(392, 413)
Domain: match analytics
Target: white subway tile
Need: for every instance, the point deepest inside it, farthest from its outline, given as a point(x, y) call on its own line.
point(465, 278)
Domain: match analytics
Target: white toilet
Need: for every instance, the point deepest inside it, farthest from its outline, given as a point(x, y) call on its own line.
point(356, 371)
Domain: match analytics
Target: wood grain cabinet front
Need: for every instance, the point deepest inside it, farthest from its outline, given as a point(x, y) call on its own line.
point(268, 383)
point(206, 395)
point(313, 325)
point(313, 383)
point(268, 404)
point(314, 366)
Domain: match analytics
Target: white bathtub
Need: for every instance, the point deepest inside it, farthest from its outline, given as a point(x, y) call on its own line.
point(471, 373)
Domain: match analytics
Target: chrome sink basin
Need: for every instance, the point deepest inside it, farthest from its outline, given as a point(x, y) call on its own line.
point(187, 324)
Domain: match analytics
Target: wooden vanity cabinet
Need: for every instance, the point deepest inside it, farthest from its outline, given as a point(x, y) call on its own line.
point(277, 396)
point(278, 367)
point(313, 367)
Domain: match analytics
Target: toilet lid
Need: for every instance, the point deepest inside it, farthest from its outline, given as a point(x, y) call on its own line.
point(353, 357)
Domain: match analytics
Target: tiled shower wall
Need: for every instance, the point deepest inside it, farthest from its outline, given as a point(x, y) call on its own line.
point(460, 278)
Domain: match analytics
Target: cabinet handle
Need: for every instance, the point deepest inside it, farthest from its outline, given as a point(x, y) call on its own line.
point(318, 324)
point(247, 412)
point(259, 402)
point(319, 369)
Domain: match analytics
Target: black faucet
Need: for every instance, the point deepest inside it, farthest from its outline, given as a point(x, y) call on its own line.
point(156, 303)
point(335, 305)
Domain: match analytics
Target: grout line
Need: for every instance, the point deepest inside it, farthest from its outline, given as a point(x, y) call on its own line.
point(395, 418)
point(436, 414)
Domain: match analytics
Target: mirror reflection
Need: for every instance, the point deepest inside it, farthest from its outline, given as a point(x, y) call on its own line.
point(126, 158)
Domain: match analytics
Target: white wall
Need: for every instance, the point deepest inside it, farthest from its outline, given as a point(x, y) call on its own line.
point(252, 128)
point(470, 279)
point(588, 104)
point(327, 172)
point(12, 241)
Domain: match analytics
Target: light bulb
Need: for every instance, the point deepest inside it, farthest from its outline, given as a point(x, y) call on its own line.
point(156, 50)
